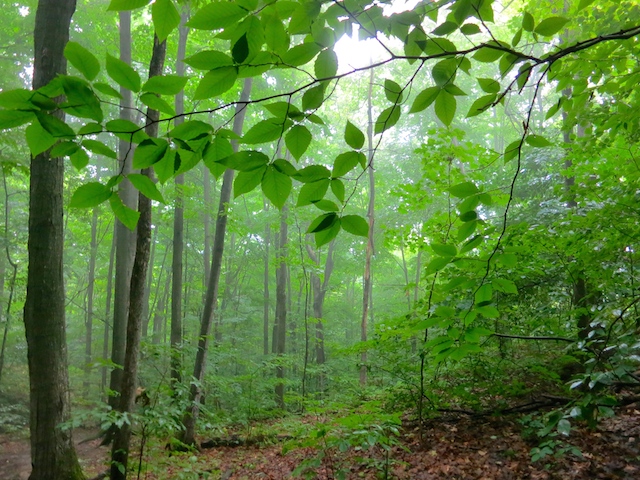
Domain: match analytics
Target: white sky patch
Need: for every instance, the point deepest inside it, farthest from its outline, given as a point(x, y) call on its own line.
point(23, 11)
point(353, 53)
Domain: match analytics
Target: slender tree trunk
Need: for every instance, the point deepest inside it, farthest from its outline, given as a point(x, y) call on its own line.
point(281, 306)
point(107, 313)
point(265, 283)
point(124, 237)
point(191, 416)
point(206, 180)
point(14, 266)
point(366, 279)
point(159, 316)
point(146, 316)
point(178, 220)
point(53, 453)
point(90, 285)
point(120, 449)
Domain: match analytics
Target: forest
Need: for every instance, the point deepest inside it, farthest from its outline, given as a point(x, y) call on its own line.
point(319, 239)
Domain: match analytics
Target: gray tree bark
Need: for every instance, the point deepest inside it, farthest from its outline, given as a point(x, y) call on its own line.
point(191, 416)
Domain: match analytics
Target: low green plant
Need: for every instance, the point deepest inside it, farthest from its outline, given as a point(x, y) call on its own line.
point(374, 434)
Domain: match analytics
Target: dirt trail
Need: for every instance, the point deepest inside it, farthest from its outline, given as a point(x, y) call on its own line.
point(15, 455)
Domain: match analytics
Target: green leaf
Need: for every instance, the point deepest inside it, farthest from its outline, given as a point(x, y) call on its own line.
point(313, 98)
point(481, 105)
point(445, 107)
point(81, 58)
point(107, 90)
point(128, 216)
point(149, 152)
point(528, 23)
point(146, 186)
point(154, 102)
point(126, 130)
point(584, 4)
point(323, 222)
point(79, 159)
point(471, 244)
point(165, 84)
point(393, 91)
point(240, 49)
point(216, 150)
point(217, 15)
point(98, 147)
point(54, 125)
point(216, 82)
point(123, 74)
point(124, 5)
point(474, 334)
point(445, 28)
point(209, 60)
point(345, 162)
point(276, 186)
point(64, 149)
point(387, 119)
point(325, 236)
point(537, 141)
point(464, 189)
point(355, 224)
point(512, 150)
point(19, 98)
point(353, 136)
point(470, 29)
point(301, 54)
point(81, 101)
point(90, 128)
point(487, 54)
point(326, 64)
point(444, 250)
point(298, 140)
point(285, 166)
point(444, 71)
point(507, 259)
point(484, 294)
point(326, 205)
point(550, 26)
point(489, 85)
point(166, 166)
point(276, 36)
point(312, 192)
point(424, 99)
point(89, 195)
point(504, 285)
point(190, 130)
point(165, 18)
point(38, 139)
point(265, 131)
point(437, 264)
point(466, 230)
point(247, 181)
point(312, 173)
point(337, 187)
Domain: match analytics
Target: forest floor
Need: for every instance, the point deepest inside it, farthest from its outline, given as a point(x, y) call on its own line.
point(454, 446)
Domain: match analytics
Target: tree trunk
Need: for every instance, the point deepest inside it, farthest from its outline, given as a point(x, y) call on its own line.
point(107, 312)
point(159, 316)
point(53, 453)
point(120, 449)
point(124, 237)
point(319, 289)
point(12, 285)
point(265, 283)
point(281, 306)
point(90, 284)
point(191, 416)
point(366, 278)
point(146, 316)
point(178, 220)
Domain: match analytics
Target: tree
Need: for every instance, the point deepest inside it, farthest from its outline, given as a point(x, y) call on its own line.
point(53, 454)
